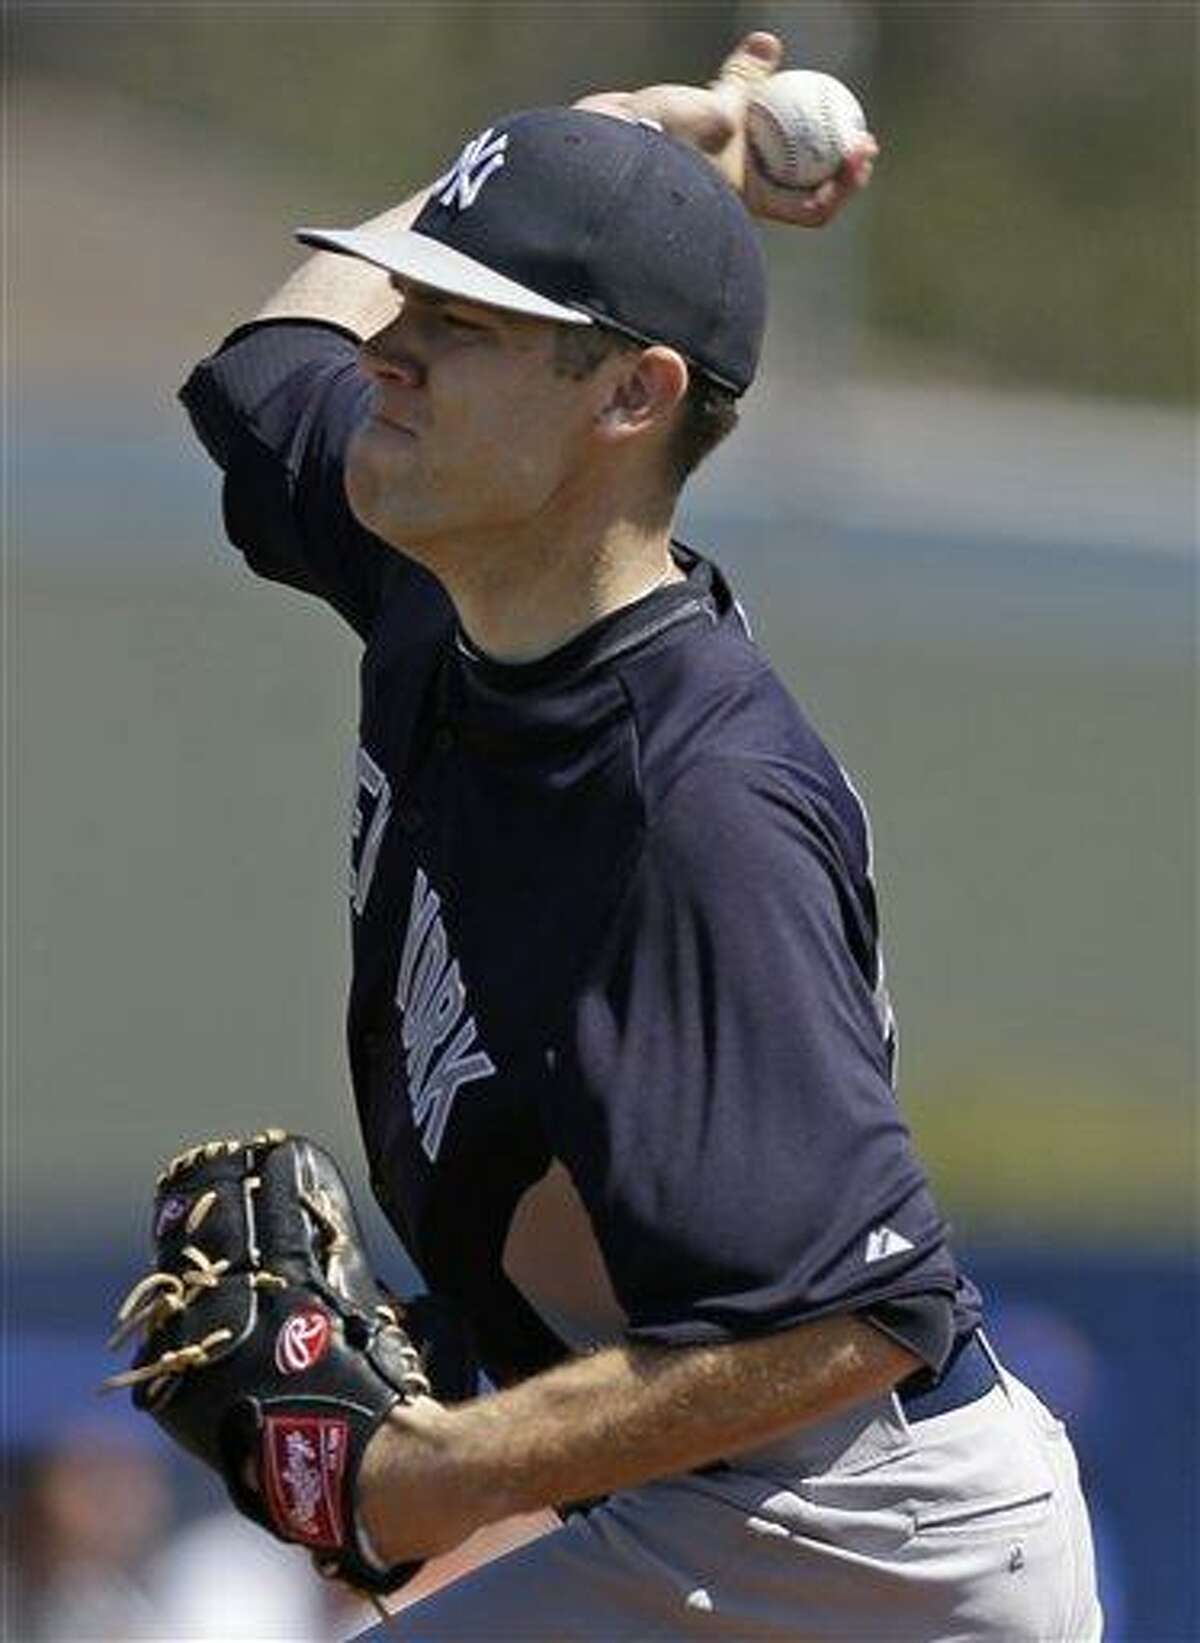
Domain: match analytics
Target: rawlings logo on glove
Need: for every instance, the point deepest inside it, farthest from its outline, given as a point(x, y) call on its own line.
point(269, 1350)
point(301, 1342)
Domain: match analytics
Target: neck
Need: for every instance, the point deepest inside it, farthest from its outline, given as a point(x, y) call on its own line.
point(520, 600)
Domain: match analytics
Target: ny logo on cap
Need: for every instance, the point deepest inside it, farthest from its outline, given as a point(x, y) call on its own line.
point(479, 159)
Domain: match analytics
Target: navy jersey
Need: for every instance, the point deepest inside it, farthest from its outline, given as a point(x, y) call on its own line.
point(619, 1037)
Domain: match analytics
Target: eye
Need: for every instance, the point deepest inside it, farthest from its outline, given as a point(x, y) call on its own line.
point(460, 322)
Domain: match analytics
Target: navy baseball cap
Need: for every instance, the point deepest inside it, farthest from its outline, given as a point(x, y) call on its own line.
point(588, 219)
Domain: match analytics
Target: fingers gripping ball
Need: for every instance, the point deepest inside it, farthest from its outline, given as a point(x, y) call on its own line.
point(268, 1349)
point(801, 126)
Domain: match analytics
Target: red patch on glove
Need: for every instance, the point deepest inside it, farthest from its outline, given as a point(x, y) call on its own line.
point(304, 1457)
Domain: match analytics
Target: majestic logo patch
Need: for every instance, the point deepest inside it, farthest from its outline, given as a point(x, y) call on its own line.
point(302, 1341)
point(304, 1457)
point(883, 1243)
point(441, 1041)
point(480, 159)
point(171, 1211)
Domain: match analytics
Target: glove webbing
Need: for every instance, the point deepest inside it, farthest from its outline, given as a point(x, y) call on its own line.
point(158, 1296)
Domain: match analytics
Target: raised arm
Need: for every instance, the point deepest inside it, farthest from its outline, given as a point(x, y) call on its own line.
point(275, 408)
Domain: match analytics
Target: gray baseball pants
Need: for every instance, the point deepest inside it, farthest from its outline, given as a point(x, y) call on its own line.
point(966, 1526)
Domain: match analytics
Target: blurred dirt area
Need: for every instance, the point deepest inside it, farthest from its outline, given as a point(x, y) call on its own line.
point(132, 238)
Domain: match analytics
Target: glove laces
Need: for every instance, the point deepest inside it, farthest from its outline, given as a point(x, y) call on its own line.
point(160, 1296)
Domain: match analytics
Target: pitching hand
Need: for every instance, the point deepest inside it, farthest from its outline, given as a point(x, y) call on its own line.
point(713, 119)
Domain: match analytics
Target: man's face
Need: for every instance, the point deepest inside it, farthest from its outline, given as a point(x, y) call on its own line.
point(471, 430)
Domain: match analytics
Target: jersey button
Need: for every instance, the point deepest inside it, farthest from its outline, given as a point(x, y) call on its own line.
point(410, 818)
point(443, 739)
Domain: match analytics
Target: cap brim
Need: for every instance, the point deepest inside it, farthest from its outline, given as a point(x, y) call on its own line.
point(426, 261)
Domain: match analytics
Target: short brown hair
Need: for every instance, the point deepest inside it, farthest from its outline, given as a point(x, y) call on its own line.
point(708, 413)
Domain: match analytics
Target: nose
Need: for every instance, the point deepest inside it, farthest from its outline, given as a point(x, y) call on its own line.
point(385, 357)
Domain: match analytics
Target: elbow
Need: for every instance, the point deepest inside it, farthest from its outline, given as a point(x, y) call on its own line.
point(200, 399)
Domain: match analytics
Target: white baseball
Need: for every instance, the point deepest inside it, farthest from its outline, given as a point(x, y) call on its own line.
point(800, 126)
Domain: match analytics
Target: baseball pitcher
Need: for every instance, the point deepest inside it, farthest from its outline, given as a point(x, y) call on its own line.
point(619, 1034)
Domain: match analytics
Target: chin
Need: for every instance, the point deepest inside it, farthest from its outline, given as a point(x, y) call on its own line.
point(368, 503)
point(366, 486)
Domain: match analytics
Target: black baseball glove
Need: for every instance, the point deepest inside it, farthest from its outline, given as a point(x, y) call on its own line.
point(269, 1350)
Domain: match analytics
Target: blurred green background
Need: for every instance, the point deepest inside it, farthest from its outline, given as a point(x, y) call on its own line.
point(962, 512)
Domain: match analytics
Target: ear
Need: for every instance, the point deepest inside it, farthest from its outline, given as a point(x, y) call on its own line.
point(642, 392)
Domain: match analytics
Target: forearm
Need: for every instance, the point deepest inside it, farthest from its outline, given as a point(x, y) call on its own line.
point(343, 290)
point(608, 1421)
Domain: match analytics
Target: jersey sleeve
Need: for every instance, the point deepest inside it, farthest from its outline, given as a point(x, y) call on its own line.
point(734, 1134)
point(274, 407)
